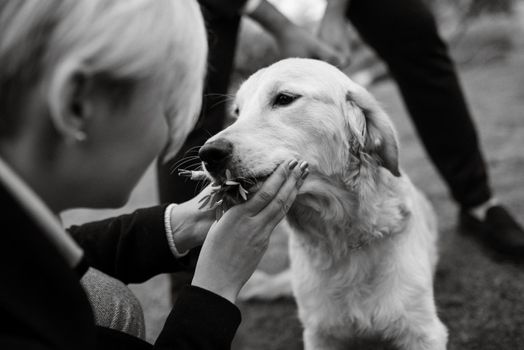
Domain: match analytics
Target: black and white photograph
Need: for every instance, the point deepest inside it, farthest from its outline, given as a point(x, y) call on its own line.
point(262, 174)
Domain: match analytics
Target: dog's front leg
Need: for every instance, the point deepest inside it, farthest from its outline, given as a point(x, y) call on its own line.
point(430, 336)
point(318, 340)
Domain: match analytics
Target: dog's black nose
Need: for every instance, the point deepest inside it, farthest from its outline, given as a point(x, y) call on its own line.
point(215, 154)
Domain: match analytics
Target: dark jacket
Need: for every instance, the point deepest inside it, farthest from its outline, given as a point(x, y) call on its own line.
point(43, 306)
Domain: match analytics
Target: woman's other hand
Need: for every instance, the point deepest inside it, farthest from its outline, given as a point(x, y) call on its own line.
point(190, 224)
point(235, 244)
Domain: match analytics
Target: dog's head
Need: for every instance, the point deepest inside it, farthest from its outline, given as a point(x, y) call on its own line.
point(304, 109)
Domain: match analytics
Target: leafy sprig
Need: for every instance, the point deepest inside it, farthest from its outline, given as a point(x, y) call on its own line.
point(218, 198)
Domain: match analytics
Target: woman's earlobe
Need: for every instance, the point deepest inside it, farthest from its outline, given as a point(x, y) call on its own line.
point(80, 136)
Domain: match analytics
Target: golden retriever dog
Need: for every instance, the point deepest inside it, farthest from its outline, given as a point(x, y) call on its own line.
point(363, 244)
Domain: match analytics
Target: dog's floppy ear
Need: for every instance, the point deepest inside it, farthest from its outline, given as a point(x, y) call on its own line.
point(380, 139)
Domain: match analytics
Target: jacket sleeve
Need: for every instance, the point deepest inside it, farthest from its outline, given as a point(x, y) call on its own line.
point(200, 320)
point(224, 8)
point(132, 248)
point(8, 342)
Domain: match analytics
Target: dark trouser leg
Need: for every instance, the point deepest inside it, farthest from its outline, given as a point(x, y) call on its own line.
point(222, 41)
point(404, 35)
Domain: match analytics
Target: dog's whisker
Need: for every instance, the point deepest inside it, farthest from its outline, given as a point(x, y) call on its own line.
point(193, 149)
point(222, 101)
point(195, 168)
point(190, 166)
point(186, 157)
point(186, 164)
point(185, 160)
point(221, 95)
point(188, 153)
point(225, 97)
point(208, 132)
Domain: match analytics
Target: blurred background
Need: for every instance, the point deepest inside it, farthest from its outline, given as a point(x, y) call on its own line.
point(479, 299)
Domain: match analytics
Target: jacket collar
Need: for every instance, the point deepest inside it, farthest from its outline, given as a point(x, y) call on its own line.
point(41, 214)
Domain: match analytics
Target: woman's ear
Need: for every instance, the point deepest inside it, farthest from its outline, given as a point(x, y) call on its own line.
point(380, 139)
point(68, 100)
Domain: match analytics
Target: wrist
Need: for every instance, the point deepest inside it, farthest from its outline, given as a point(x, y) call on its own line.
point(184, 242)
point(179, 240)
point(225, 292)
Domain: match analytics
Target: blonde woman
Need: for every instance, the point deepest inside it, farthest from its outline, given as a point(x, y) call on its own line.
point(90, 92)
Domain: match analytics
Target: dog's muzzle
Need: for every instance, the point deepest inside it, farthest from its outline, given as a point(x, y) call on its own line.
point(216, 155)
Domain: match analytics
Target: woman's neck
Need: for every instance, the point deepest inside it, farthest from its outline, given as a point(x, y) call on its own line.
point(36, 172)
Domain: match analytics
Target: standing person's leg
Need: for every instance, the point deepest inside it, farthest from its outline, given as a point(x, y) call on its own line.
point(405, 35)
point(223, 34)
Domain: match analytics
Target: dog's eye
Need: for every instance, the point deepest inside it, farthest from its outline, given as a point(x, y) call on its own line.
point(284, 99)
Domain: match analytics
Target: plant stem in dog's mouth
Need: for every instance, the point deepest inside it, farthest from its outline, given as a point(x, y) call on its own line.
point(218, 198)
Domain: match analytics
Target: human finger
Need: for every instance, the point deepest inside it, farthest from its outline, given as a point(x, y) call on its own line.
point(278, 208)
point(270, 188)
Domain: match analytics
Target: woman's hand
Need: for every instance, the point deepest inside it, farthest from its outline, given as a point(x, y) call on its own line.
point(190, 224)
point(235, 244)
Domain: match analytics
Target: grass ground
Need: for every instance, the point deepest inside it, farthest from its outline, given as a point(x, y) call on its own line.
point(481, 300)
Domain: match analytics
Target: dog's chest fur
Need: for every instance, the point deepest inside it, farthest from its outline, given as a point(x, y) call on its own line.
point(348, 259)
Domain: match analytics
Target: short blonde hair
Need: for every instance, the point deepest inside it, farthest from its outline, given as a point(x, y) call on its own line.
point(122, 39)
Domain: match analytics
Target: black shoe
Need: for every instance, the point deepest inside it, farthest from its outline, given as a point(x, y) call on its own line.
point(499, 231)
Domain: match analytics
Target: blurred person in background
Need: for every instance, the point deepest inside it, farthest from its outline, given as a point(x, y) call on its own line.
point(404, 34)
point(90, 92)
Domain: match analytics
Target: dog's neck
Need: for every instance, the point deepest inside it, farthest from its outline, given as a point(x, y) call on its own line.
point(337, 216)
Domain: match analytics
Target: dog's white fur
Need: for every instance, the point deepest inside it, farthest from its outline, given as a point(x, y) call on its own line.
point(363, 247)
